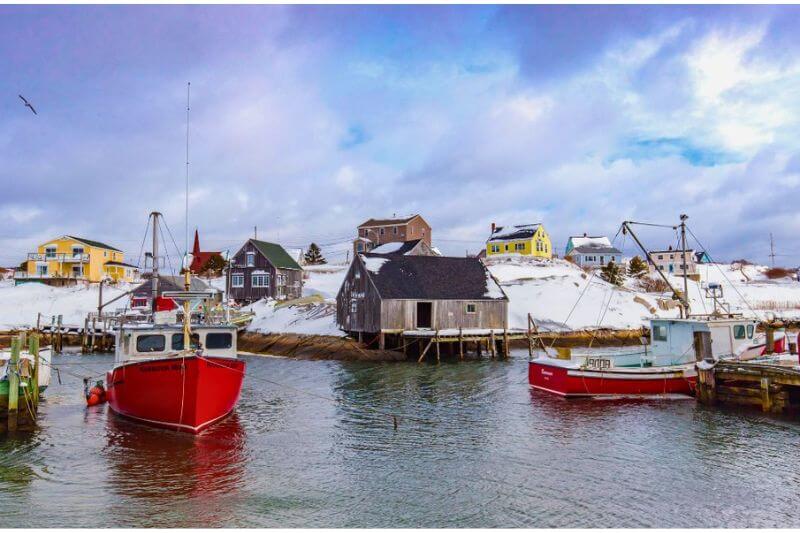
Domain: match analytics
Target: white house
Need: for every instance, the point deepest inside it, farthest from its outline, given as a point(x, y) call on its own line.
point(592, 252)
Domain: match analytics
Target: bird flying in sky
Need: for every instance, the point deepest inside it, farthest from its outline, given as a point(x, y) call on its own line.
point(28, 104)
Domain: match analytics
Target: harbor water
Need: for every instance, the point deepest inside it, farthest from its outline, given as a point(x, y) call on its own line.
point(313, 443)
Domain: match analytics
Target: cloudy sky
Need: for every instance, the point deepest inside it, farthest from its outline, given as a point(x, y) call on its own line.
point(307, 120)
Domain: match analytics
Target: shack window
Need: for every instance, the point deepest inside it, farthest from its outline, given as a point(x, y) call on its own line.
point(219, 341)
point(177, 341)
point(659, 333)
point(738, 331)
point(150, 343)
point(251, 259)
point(471, 309)
point(237, 280)
point(260, 280)
point(750, 330)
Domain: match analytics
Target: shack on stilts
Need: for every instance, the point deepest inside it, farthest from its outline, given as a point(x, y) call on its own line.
point(425, 306)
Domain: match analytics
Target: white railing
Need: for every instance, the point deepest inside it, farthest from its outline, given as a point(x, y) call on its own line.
point(61, 258)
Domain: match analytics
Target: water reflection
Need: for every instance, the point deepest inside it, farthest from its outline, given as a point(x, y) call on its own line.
point(156, 464)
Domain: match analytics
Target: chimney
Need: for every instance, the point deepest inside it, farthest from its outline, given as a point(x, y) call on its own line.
point(670, 247)
point(493, 227)
point(584, 234)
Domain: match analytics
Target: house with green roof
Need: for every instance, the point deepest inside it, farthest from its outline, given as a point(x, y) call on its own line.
point(262, 270)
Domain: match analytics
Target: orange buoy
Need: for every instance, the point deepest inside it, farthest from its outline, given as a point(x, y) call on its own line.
point(96, 395)
point(93, 399)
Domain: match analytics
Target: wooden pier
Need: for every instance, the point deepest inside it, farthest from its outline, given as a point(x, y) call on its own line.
point(19, 394)
point(772, 388)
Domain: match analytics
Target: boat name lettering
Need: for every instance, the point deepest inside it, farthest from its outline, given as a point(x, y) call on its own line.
point(598, 363)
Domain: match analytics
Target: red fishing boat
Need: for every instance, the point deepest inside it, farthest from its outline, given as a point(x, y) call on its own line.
point(176, 375)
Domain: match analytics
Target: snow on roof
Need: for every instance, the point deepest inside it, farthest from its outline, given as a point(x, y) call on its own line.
point(394, 219)
point(521, 231)
point(493, 290)
point(374, 264)
point(388, 248)
point(590, 241)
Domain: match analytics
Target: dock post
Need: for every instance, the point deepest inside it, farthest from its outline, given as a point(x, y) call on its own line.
point(38, 321)
point(766, 400)
point(381, 341)
point(492, 346)
point(13, 385)
point(33, 349)
point(94, 332)
point(770, 340)
point(478, 347)
point(436, 340)
point(505, 343)
point(60, 333)
point(461, 343)
point(53, 331)
point(85, 335)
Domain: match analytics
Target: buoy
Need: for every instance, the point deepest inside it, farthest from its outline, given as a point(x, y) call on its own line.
point(96, 395)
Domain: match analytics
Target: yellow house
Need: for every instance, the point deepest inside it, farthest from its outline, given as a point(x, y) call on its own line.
point(526, 239)
point(69, 259)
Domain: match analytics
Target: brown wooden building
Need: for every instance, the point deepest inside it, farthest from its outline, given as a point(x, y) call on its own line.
point(264, 270)
point(400, 293)
point(376, 232)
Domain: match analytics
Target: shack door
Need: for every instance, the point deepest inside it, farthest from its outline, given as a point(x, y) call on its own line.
point(424, 314)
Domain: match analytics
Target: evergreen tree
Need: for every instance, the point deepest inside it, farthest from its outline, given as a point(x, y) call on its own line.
point(637, 267)
point(612, 273)
point(314, 255)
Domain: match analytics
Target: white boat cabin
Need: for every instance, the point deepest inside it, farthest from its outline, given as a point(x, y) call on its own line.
point(158, 341)
point(672, 340)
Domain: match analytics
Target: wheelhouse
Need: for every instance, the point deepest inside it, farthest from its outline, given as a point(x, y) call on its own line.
point(136, 343)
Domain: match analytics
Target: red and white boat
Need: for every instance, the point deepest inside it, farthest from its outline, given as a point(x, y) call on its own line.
point(175, 375)
point(156, 381)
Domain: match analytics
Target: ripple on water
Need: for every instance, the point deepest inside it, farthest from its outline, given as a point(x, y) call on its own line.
point(474, 447)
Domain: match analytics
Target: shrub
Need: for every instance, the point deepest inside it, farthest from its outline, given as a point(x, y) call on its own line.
point(779, 272)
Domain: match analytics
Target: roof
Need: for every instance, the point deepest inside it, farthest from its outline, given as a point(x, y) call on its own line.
point(513, 233)
point(120, 263)
point(592, 245)
point(672, 251)
point(387, 221)
point(431, 277)
point(199, 259)
point(395, 248)
point(170, 283)
point(582, 240)
point(276, 255)
point(96, 244)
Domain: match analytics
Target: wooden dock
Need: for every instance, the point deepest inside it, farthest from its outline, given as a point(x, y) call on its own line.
point(19, 394)
point(771, 387)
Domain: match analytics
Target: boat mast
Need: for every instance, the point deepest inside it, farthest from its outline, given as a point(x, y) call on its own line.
point(685, 272)
point(626, 228)
point(187, 277)
point(154, 279)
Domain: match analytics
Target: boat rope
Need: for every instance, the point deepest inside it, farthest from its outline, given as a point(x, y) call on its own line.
point(724, 275)
point(394, 417)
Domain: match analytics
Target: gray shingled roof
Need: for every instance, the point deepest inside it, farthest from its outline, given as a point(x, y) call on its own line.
point(595, 249)
point(435, 278)
point(512, 233)
point(386, 221)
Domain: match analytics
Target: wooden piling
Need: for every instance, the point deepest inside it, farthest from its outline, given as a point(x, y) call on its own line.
point(505, 343)
point(13, 385)
point(33, 349)
point(461, 343)
point(438, 354)
point(492, 346)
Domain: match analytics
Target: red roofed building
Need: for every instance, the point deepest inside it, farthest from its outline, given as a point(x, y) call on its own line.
point(199, 259)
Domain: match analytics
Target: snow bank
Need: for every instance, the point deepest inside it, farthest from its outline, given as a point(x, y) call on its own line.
point(19, 305)
point(318, 318)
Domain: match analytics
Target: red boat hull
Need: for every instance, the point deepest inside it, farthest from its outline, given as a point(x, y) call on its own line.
point(185, 394)
point(576, 382)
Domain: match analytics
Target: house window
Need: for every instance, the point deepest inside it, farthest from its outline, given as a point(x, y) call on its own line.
point(661, 257)
point(41, 270)
point(77, 252)
point(353, 306)
point(495, 249)
point(506, 247)
point(77, 271)
point(50, 252)
point(259, 280)
point(251, 259)
point(520, 246)
point(738, 331)
point(394, 230)
point(412, 230)
point(360, 247)
point(659, 333)
point(237, 280)
point(357, 274)
point(471, 309)
point(383, 230)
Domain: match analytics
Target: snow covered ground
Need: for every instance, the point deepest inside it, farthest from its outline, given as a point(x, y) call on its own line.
point(556, 293)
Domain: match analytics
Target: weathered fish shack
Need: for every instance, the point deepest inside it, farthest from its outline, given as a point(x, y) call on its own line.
point(394, 300)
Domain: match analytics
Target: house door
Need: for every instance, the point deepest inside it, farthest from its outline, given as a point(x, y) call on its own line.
point(424, 315)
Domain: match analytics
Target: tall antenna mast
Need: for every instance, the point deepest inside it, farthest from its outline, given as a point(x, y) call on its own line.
point(186, 223)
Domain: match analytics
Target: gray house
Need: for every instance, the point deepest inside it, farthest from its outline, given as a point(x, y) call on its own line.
point(592, 252)
point(395, 293)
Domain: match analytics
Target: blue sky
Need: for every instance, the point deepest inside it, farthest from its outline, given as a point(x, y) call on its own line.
point(307, 120)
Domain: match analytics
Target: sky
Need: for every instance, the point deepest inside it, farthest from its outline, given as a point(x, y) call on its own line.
point(307, 120)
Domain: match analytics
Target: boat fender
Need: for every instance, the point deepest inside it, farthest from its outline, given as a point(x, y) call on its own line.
point(96, 395)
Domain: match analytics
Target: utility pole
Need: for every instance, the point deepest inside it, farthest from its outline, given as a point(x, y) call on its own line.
point(772, 249)
point(685, 272)
point(255, 232)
